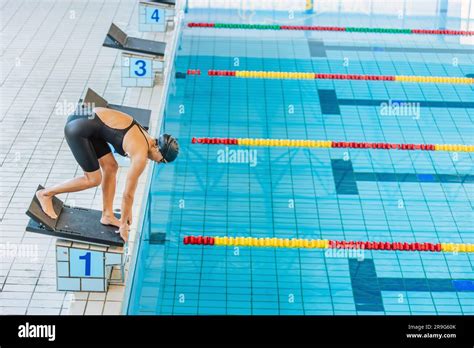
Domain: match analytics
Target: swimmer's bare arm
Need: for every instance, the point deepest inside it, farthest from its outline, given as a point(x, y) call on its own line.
point(136, 169)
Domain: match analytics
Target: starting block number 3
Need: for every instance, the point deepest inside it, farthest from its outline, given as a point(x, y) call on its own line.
point(140, 67)
point(138, 71)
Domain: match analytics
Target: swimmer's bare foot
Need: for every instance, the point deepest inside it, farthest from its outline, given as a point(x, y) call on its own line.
point(124, 232)
point(110, 220)
point(46, 202)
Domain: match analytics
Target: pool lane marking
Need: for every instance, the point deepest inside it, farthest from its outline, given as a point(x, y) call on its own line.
point(330, 28)
point(287, 75)
point(327, 244)
point(345, 178)
point(330, 104)
point(332, 144)
point(318, 49)
point(367, 287)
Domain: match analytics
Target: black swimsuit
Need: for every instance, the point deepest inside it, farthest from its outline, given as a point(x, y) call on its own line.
point(87, 136)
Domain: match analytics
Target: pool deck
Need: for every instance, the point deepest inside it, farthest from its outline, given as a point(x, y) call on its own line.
point(51, 53)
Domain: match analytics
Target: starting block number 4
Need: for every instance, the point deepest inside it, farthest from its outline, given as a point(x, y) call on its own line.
point(154, 15)
point(152, 18)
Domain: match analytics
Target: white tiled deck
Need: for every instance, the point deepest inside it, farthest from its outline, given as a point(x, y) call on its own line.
point(51, 52)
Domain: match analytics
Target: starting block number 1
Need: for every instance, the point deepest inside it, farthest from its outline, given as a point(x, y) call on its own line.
point(84, 267)
point(86, 263)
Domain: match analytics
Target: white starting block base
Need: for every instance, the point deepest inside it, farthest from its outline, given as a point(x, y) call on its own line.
point(140, 70)
point(87, 267)
point(155, 17)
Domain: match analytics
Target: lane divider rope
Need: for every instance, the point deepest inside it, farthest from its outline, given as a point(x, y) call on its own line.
point(331, 28)
point(193, 72)
point(326, 244)
point(318, 76)
point(331, 144)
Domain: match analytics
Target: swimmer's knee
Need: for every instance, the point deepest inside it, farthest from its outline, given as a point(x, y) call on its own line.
point(108, 164)
point(112, 167)
point(94, 178)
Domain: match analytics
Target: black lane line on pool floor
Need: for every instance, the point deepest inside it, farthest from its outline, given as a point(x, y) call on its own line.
point(330, 103)
point(318, 48)
point(345, 178)
point(367, 287)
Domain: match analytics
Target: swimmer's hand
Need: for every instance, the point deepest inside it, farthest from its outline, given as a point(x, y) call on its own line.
point(123, 230)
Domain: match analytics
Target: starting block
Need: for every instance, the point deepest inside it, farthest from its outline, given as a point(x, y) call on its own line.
point(142, 60)
point(140, 70)
point(87, 267)
point(86, 251)
point(93, 99)
point(73, 223)
point(156, 15)
point(118, 39)
point(164, 2)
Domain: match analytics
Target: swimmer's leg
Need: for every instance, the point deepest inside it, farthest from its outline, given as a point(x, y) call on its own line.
point(109, 168)
point(84, 153)
point(45, 196)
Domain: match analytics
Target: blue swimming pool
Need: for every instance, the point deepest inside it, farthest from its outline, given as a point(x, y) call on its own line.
point(288, 192)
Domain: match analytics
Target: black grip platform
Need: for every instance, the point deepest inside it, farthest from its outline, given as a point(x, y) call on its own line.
point(142, 116)
point(93, 99)
point(117, 39)
point(73, 223)
point(164, 2)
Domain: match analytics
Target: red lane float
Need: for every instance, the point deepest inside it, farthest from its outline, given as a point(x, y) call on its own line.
point(214, 141)
point(415, 246)
point(199, 240)
point(194, 72)
point(354, 77)
point(221, 73)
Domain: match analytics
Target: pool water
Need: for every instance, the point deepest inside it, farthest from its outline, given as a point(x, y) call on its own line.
point(289, 192)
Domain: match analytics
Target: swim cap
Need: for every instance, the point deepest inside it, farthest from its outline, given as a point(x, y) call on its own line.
point(168, 146)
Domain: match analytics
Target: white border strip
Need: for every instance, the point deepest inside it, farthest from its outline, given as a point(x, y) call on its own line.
point(168, 68)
